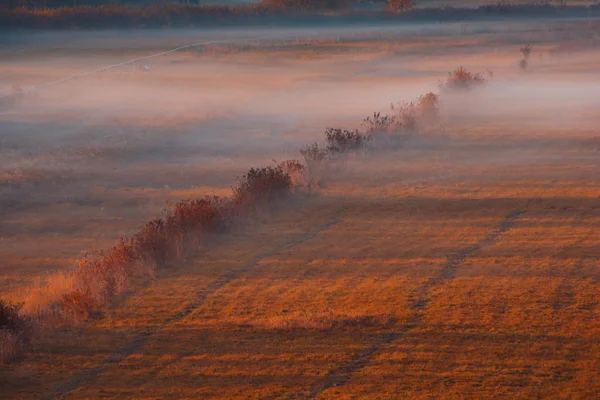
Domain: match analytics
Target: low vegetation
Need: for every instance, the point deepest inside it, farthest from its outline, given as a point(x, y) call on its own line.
point(525, 53)
point(99, 279)
point(297, 172)
point(308, 5)
point(462, 80)
point(15, 331)
point(262, 185)
point(399, 5)
point(342, 141)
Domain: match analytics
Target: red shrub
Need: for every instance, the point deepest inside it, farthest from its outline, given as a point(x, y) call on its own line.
point(461, 79)
point(261, 185)
point(80, 305)
point(429, 107)
point(197, 215)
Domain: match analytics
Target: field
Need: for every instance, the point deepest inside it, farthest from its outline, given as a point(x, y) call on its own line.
point(462, 264)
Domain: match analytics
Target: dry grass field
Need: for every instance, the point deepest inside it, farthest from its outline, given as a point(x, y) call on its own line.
point(464, 264)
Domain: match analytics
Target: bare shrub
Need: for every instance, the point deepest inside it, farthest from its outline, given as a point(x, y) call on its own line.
point(262, 185)
point(80, 306)
point(406, 120)
point(308, 5)
point(315, 158)
point(343, 141)
point(100, 277)
point(378, 124)
point(326, 320)
point(15, 330)
point(429, 108)
point(523, 63)
point(313, 154)
point(297, 171)
point(461, 79)
point(188, 217)
point(525, 53)
point(397, 6)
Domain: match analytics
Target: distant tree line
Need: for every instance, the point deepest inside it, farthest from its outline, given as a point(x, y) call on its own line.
point(32, 4)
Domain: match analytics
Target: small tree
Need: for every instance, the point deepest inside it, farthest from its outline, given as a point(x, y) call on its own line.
point(399, 5)
point(525, 51)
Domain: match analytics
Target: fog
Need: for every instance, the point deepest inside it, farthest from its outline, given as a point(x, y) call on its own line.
point(87, 159)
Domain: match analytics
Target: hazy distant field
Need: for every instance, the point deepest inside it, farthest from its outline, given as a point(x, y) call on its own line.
point(463, 265)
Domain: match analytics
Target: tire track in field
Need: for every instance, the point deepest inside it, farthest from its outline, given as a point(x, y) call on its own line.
point(138, 343)
point(564, 293)
point(342, 375)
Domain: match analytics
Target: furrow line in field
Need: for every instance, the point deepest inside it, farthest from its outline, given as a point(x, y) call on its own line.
point(342, 375)
point(138, 343)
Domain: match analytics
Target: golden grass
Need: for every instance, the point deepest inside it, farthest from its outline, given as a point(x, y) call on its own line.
point(519, 319)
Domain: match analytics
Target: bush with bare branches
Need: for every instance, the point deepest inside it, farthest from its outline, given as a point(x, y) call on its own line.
point(15, 330)
point(343, 141)
point(262, 185)
point(297, 171)
point(461, 79)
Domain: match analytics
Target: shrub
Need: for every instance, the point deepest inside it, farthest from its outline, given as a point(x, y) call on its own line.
point(80, 306)
point(308, 5)
point(429, 107)
point(297, 172)
point(313, 154)
point(99, 277)
point(342, 141)
point(378, 124)
point(10, 319)
point(399, 5)
point(406, 118)
point(315, 158)
point(152, 243)
point(197, 215)
point(260, 185)
point(461, 79)
point(15, 330)
point(525, 53)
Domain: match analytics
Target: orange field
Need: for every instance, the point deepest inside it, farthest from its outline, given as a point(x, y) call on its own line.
point(464, 264)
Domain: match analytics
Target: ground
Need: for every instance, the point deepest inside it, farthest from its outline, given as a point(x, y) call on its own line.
point(462, 265)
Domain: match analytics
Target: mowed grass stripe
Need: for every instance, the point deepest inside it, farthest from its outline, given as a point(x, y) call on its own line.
point(342, 375)
point(136, 345)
